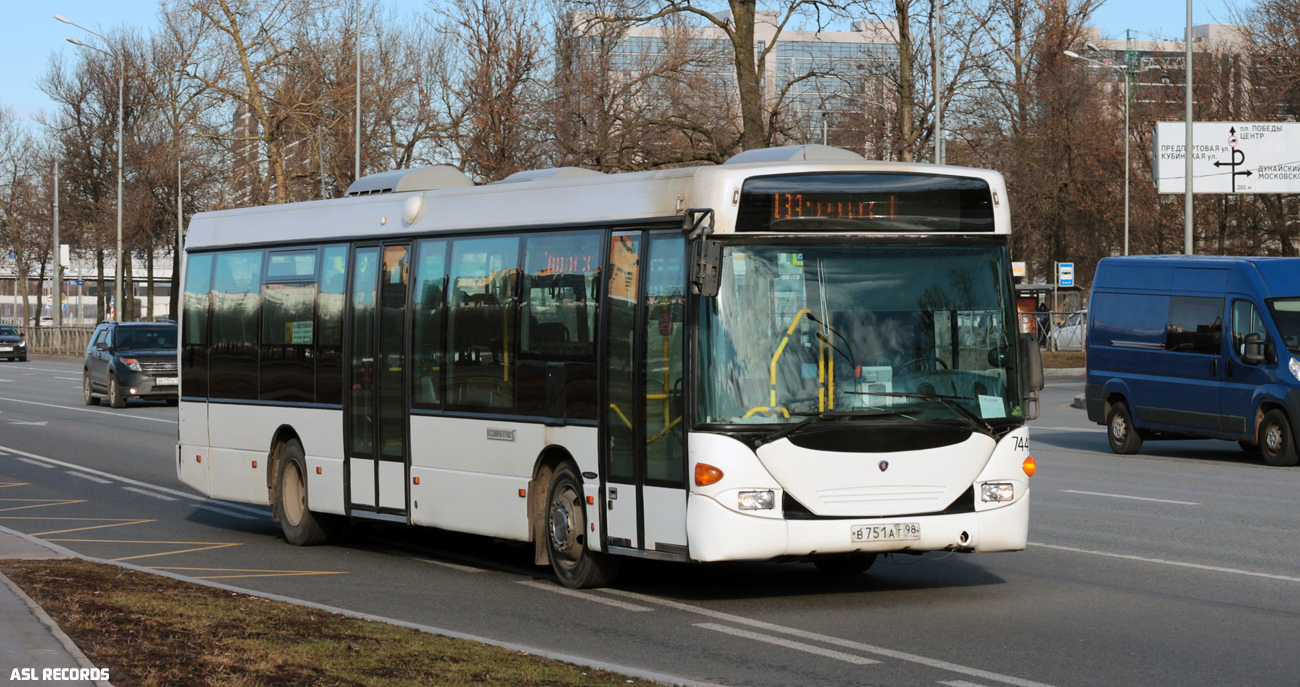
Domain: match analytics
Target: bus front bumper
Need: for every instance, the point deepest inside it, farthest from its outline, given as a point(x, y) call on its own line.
point(716, 533)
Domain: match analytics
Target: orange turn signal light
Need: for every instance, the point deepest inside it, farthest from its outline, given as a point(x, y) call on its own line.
point(415, 480)
point(254, 463)
point(318, 470)
point(591, 500)
point(1030, 466)
point(706, 474)
point(523, 493)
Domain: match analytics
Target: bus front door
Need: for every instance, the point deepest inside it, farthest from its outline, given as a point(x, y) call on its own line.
point(375, 398)
point(644, 435)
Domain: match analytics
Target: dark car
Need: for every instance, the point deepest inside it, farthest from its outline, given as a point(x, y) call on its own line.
point(131, 360)
point(12, 345)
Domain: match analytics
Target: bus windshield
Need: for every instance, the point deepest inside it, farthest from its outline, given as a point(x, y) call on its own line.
point(807, 329)
point(1286, 315)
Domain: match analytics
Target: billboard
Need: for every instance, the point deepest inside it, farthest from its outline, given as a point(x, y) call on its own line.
point(1229, 157)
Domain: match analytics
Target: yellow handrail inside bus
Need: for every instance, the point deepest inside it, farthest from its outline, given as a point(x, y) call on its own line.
point(614, 407)
point(781, 349)
point(765, 409)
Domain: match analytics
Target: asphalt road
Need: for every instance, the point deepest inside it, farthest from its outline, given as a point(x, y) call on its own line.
point(1171, 567)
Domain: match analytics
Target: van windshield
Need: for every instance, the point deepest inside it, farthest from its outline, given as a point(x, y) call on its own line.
point(1286, 315)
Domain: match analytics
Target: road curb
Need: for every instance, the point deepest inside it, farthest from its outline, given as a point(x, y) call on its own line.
point(1065, 372)
point(68, 645)
point(661, 678)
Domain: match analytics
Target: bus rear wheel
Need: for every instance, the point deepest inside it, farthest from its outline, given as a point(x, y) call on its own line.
point(1276, 441)
point(574, 563)
point(301, 526)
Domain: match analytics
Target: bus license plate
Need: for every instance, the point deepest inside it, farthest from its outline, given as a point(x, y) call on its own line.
point(166, 381)
point(894, 531)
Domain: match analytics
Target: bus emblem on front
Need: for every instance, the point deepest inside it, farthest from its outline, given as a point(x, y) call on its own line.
point(884, 465)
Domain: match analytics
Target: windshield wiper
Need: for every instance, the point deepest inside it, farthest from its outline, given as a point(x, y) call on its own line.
point(972, 419)
point(813, 417)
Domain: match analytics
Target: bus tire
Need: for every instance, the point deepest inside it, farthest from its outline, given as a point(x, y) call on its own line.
point(1276, 441)
point(301, 526)
point(574, 563)
point(1123, 436)
point(845, 566)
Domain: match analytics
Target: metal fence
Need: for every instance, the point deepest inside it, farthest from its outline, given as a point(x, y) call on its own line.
point(1057, 331)
point(56, 340)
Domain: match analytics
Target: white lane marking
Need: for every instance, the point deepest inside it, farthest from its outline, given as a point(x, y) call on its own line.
point(92, 478)
point(959, 683)
point(834, 641)
point(453, 566)
point(40, 423)
point(789, 644)
point(75, 379)
point(224, 504)
point(6, 380)
point(1161, 561)
point(89, 410)
point(34, 462)
point(45, 369)
point(586, 596)
point(1069, 429)
point(1122, 496)
point(223, 511)
point(146, 492)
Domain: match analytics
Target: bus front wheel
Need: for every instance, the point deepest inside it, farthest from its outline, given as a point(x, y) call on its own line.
point(567, 533)
point(301, 526)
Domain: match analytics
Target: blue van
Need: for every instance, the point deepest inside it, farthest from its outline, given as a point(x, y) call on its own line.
point(1196, 347)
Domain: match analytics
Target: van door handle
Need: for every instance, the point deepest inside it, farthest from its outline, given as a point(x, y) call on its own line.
point(1214, 367)
point(1228, 367)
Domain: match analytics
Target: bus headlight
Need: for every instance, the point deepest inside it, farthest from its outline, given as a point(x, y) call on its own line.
point(756, 500)
point(999, 491)
point(1295, 367)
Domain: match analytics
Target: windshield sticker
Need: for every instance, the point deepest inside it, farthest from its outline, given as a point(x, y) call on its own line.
point(991, 406)
point(738, 268)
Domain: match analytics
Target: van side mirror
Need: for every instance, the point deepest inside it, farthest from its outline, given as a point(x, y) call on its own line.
point(1031, 374)
point(1253, 350)
point(101, 346)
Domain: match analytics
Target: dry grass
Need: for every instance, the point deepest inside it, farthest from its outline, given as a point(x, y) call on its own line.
point(151, 630)
point(1063, 359)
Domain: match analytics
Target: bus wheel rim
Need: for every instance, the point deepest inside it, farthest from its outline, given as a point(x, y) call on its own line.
point(562, 524)
point(295, 502)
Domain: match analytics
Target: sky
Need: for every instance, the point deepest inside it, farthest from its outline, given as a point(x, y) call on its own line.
point(29, 33)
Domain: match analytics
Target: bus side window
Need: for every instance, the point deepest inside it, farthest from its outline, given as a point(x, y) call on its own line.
point(482, 334)
point(558, 323)
point(194, 335)
point(429, 300)
point(329, 325)
point(236, 309)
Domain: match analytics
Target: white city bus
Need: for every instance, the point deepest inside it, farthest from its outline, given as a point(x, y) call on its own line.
point(796, 355)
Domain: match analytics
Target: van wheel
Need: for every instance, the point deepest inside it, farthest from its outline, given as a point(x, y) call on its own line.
point(574, 563)
point(301, 526)
point(1123, 436)
point(1276, 441)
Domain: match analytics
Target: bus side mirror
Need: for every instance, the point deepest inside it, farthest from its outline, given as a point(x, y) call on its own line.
point(706, 278)
point(1253, 353)
point(1031, 374)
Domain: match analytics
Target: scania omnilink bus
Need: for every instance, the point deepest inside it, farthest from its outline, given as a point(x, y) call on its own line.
point(796, 355)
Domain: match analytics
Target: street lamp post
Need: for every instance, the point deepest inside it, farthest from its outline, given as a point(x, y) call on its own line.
point(121, 81)
point(1123, 70)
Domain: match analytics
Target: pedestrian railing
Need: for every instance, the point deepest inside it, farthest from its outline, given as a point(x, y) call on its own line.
point(57, 340)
